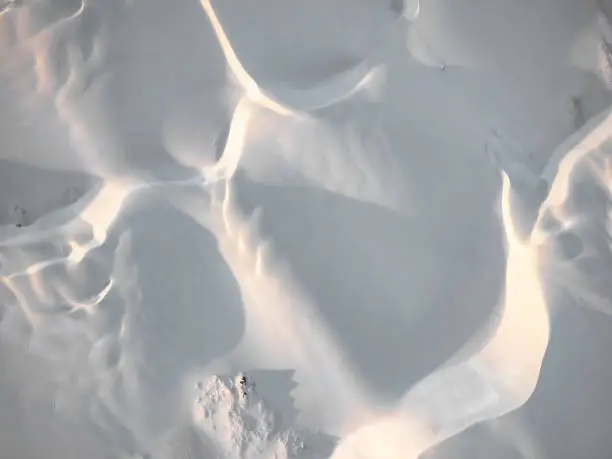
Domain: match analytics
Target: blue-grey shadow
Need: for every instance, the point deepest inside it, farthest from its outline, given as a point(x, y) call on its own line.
point(401, 295)
point(189, 310)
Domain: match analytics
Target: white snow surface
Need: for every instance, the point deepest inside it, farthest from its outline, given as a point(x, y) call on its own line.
point(240, 423)
point(392, 218)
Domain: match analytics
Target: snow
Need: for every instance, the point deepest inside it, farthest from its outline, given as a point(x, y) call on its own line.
point(392, 219)
point(242, 424)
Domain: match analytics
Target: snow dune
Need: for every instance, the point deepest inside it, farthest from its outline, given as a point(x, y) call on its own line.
point(395, 216)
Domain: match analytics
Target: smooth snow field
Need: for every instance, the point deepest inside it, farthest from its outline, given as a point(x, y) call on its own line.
point(323, 229)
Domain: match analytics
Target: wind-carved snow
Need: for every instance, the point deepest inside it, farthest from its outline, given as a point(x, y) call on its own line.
point(503, 373)
point(498, 377)
point(492, 382)
point(286, 101)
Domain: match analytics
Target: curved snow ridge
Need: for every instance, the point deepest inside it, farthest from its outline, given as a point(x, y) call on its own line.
point(99, 209)
point(331, 91)
point(287, 101)
point(498, 379)
point(242, 425)
point(576, 251)
point(503, 374)
point(593, 134)
point(229, 160)
point(26, 274)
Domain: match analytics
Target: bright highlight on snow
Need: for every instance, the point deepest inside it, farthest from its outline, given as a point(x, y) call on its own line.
point(335, 229)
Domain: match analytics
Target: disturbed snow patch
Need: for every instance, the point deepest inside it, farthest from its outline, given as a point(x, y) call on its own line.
point(243, 425)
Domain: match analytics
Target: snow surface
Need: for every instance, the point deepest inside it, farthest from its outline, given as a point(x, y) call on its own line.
point(393, 218)
point(240, 423)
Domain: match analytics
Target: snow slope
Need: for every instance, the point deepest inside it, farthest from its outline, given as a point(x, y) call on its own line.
point(397, 213)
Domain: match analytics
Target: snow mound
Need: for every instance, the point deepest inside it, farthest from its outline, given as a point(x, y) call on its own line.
point(243, 425)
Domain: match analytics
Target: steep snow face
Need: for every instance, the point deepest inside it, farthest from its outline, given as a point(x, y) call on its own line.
point(242, 424)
